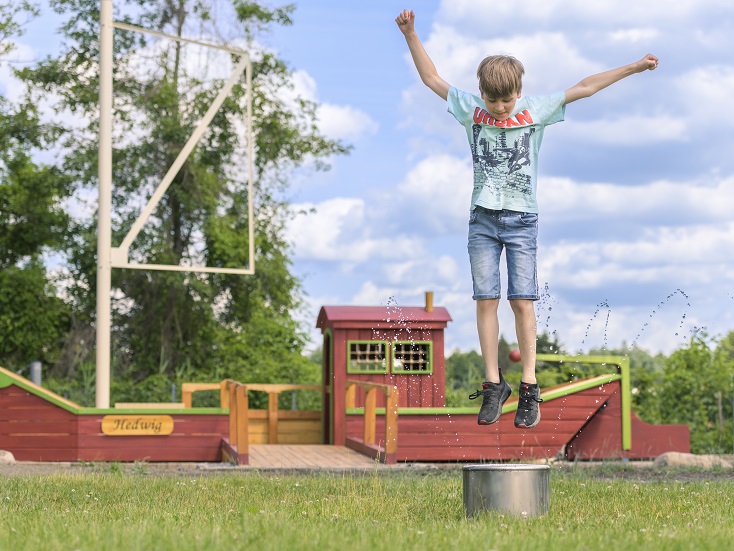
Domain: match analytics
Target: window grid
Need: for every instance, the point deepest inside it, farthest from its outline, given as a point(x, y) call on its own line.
point(412, 357)
point(367, 357)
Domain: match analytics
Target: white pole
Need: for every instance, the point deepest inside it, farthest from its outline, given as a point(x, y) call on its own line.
point(104, 223)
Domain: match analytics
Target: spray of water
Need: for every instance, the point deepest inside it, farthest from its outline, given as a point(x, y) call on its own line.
point(679, 329)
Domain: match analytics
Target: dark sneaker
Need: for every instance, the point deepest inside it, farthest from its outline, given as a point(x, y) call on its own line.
point(494, 395)
point(528, 412)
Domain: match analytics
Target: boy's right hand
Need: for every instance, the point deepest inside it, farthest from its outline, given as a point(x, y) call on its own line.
point(406, 21)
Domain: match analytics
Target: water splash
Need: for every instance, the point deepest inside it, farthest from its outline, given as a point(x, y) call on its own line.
point(599, 307)
point(544, 307)
point(661, 304)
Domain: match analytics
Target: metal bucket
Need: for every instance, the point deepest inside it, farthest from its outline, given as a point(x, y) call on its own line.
point(522, 490)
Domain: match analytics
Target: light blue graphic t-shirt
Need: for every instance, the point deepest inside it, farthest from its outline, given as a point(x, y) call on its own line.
point(505, 153)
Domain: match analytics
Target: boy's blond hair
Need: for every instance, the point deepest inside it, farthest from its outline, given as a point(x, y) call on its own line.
point(500, 76)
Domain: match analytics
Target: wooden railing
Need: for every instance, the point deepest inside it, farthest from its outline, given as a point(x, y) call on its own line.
point(273, 392)
point(233, 395)
point(188, 389)
point(388, 453)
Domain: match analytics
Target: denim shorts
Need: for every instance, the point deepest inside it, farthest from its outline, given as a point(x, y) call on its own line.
point(517, 232)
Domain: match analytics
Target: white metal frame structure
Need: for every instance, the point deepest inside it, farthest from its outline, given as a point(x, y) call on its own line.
point(109, 257)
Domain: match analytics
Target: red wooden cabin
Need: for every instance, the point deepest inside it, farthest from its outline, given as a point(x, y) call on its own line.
point(399, 346)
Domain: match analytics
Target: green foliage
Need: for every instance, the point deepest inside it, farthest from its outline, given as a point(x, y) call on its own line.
point(696, 390)
point(646, 374)
point(32, 319)
point(168, 325)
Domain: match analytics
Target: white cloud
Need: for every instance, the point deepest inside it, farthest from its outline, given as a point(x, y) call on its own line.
point(340, 122)
point(340, 231)
point(423, 272)
point(343, 122)
point(704, 94)
point(563, 199)
point(551, 61)
point(439, 189)
point(628, 130)
point(513, 15)
point(635, 35)
point(690, 256)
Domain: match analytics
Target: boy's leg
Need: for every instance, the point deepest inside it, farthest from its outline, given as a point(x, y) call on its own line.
point(528, 411)
point(526, 329)
point(484, 255)
point(495, 390)
point(522, 289)
point(488, 328)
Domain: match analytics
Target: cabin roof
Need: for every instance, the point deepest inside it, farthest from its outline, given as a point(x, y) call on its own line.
point(399, 315)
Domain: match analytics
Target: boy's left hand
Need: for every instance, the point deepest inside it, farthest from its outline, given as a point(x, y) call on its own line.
point(648, 63)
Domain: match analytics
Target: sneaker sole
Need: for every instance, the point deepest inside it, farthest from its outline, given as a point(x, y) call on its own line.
point(502, 403)
point(523, 426)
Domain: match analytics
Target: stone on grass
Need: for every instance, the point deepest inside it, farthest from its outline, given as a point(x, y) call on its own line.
point(6, 457)
point(678, 459)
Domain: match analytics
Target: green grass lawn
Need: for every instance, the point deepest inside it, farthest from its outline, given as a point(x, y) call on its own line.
point(607, 508)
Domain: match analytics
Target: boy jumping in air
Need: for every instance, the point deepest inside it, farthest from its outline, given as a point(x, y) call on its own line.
point(505, 130)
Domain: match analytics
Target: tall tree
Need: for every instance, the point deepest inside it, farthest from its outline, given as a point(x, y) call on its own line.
point(32, 223)
point(188, 324)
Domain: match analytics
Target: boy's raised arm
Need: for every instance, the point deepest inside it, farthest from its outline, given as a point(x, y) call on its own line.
point(426, 68)
point(591, 85)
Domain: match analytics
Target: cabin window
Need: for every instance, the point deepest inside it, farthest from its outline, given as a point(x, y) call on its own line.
point(412, 357)
point(367, 357)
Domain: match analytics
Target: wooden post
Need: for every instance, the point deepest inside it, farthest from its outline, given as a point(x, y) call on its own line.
point(185, 396)
point(243, 444)
point(224, 394)
point(232, 388)
point(350, 399)
point(273, 417)
point(391, 423)
point(370, 407)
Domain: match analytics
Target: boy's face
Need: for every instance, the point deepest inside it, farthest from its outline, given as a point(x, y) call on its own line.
point(501, 108)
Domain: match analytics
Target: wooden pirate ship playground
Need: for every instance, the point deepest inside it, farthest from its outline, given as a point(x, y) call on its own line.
point(382, 396)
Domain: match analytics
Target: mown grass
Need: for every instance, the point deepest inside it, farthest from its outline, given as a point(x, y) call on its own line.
point(398, 511)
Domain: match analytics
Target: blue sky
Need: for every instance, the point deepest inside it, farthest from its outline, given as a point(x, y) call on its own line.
point(636, 186)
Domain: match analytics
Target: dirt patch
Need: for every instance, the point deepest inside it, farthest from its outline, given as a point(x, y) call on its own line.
point(604, 471)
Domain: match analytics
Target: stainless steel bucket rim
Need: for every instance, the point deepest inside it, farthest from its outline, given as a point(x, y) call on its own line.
point(513, 467)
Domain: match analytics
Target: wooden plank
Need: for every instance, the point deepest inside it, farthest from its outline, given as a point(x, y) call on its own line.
point(369, 416)
point(413, 389)
point(519, 439)
point(189, 454)
point(299, 414)
point(301, 438)
point(149, 405)
point(476, 453)
point(24, 414)
point(41, 442)
point(28, 426)
point(309, 456)
point(298, 425)
point(36, 454)
point(391, 423)
point(272, 418)
point(242, 422)
point(39, 393)
point(233, 414)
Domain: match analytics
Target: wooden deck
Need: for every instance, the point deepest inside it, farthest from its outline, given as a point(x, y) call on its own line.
point(284, 456)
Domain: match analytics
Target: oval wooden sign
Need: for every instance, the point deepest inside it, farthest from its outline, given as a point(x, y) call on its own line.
point(137, 425)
